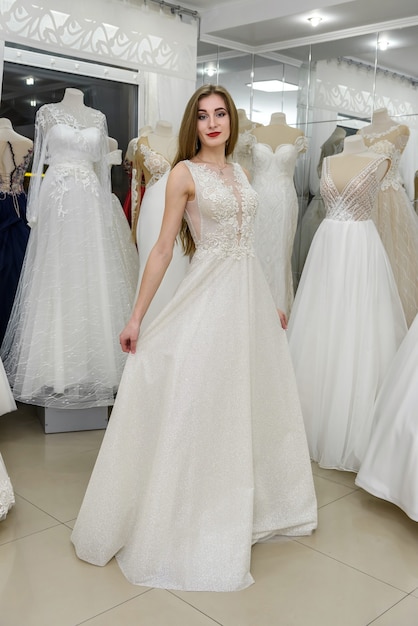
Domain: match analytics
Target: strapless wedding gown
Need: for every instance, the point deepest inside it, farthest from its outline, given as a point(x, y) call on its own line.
point(205, 452)
point(78, 279)
point(346, 323)
point(277, 218)
point(397, 222)
point(390, 466)
point(148, 228)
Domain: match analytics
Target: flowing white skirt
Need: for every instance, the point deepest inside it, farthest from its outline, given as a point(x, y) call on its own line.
point(147, 232)
point(205, 452)
point(390, 466)
point(346, 325)
point(7, 402)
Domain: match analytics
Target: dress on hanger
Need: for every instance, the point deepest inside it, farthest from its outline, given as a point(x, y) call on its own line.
point(7, 404)
point(395, 217)
point(390, 466)
point(14, 230)
point(277, 218)
point(346, 323)
point(77, 284)
point(149, 226)
point(202, 459)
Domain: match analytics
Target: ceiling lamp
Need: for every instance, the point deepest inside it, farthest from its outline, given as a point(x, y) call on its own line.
point(383, 44)
point(315, 20)
point(272, 86)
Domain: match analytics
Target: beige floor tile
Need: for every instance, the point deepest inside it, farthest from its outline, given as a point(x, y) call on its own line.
point(370, 535)
point(42, 583)
point(154, 608)
point(296, 586)
point(22, 520)
point(328, 491)
point(342, 478)
point(405, 613)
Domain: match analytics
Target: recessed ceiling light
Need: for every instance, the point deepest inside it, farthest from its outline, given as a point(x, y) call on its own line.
point(383, 44)
point(315, 20)
point(272, 85)
point(30, 80)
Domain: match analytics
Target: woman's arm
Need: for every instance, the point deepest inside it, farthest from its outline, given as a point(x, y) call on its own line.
point(180, 189)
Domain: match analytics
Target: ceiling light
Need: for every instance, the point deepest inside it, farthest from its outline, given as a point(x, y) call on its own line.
point(272, 85)
point(383, 44)
point(315, 20)
point(33, 103)
point(30, 80)
point(210, 71)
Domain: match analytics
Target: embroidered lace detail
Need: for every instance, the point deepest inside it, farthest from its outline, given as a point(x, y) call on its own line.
point(301, 143)
point(391, 149)
point(69, 174)
point(357, 200)
point(227, 206)
point(13, 183)
point(7, 498)
point(375, 135)
point(155, 163)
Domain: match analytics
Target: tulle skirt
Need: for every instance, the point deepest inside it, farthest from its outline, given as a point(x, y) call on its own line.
point(346, 325)
point(7, 402)
point(390, 466)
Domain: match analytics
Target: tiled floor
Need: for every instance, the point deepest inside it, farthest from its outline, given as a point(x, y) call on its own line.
point(360, 567)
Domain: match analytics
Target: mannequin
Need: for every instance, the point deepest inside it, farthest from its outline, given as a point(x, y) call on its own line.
point(244, 122)
point(274, 158)
point(277, 132)
point(347, 320)
point(77, 284)
point(135, 194)
point(394, 216)
point(15, 156)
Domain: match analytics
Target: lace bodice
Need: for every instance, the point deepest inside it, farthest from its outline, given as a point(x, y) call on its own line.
point(393, 149)
point(281, 161)
point(357, 200)
point(222, 215)
point(12, 182)
point(155, 163)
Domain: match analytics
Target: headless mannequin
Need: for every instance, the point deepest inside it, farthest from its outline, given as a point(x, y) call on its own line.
point(354, 157)
point(382, 124)
point(73, 103)
point(244, 123)
point(277, 132)
point(331, 146)
point(13, 147)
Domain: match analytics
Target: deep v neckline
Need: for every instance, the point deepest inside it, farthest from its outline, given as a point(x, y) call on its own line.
point(350, 181)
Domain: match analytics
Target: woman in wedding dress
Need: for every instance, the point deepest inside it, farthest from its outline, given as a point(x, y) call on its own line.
point(394, 216)
point(390, 466)
point(7, 404)
point(78, 282)
point(274, 160)
point(347, 320)
point(205, 453)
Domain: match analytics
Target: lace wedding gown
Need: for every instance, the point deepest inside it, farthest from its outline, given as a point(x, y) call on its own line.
point(7, 404)
point(390, 466)
point(77, 284)
point(276, 221)
point(396, 219)
point(148, 229)
point(14, 231)
point(205, 453)
point(346, 323)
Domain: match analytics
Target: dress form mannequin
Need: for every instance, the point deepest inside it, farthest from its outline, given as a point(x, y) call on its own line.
point(244, 123)
point(394, 215)
point(135, 193)
point(15, 156)
point(278, 132)
point(73, 103)
point(351, 317)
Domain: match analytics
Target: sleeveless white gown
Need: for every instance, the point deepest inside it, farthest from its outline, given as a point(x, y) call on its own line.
point(277, 218)
point(390, 466)
point(205, 452)
point(346, 323)
point(148, 228)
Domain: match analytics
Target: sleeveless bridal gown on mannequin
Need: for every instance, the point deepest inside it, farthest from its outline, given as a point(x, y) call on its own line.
point(346, 323)
point(77, 284)
point(7, 404)
point(390, 466)
point(395, 217)
point(277, 218)
point(200, 459)
point(148, 229)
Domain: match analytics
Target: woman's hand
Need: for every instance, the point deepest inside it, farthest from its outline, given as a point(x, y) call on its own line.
point(129, 336)
point(283, 319)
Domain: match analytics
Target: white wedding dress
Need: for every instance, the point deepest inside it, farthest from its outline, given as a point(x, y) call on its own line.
point(346, 323)
point(7, 404)
point(396, 219)
point(148, 228)
point(390, 466)
point(78, 280)
point(277, 218)
point(205, 452)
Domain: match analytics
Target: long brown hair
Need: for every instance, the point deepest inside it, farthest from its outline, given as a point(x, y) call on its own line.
point(189, 144)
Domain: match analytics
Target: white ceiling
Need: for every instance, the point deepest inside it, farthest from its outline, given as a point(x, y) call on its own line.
point(348, 29)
